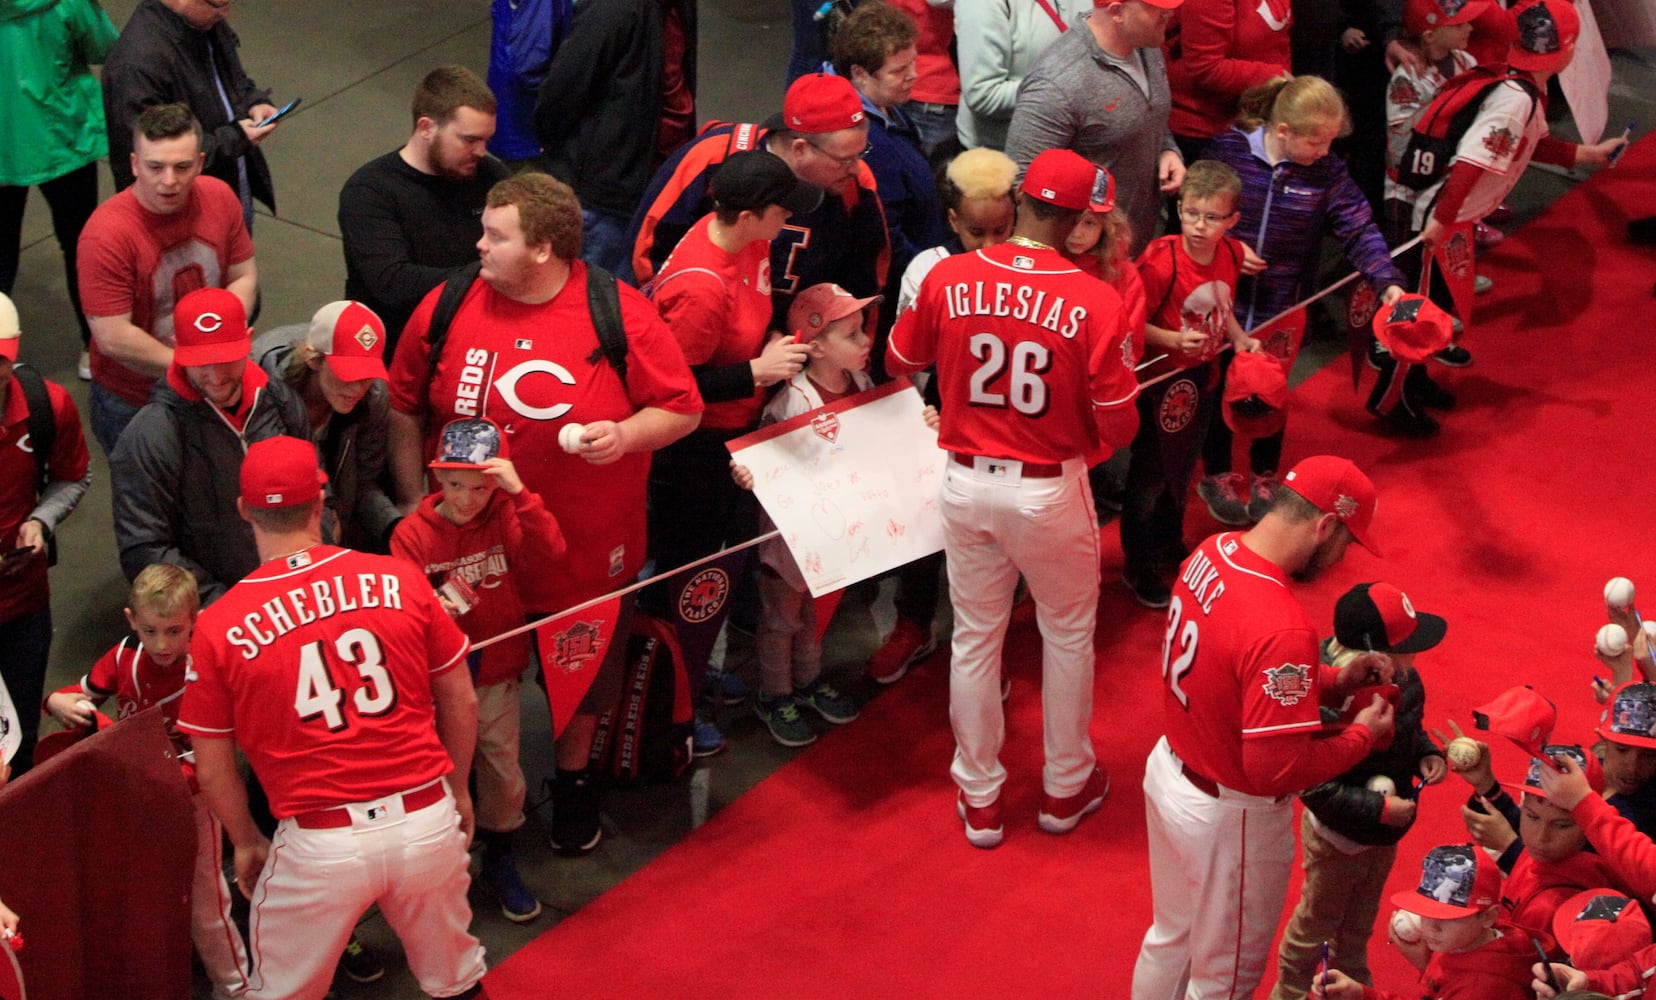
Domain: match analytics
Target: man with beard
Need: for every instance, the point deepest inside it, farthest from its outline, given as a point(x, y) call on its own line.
point(1242, 689)
point(413, 216)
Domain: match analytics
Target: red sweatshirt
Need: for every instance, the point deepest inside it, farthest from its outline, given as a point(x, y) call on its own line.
point(1500, 970)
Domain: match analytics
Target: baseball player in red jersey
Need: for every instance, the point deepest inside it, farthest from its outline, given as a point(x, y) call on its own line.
point(1034, 364)
point(1243, 684)
point(344, 682)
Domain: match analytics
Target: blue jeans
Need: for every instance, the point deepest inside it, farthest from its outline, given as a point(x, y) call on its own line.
point(110, 415)
point(27, 642)
point(934, 122)
point(604, 240)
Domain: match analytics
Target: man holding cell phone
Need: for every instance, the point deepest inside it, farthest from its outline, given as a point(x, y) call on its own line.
point(183, 51)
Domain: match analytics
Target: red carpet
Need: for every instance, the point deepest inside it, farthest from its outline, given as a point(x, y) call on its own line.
point(846, 874)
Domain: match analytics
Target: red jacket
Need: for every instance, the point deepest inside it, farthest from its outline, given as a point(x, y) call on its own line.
point(1500, 970)
point(1216, 49)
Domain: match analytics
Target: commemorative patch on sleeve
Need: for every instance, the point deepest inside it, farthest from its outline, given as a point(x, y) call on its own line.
point(1288, 684)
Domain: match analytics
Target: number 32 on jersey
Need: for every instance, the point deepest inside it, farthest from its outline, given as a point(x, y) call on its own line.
point(1179, 650)
point(319, 695)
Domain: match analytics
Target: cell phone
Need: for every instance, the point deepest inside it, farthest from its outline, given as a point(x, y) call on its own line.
point(279, 115)
point(22, 552)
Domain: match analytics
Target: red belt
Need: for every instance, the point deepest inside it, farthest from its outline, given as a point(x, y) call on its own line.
point(1031, 470)
point(339, 816)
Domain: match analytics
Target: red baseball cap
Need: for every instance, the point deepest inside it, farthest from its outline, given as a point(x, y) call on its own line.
point(10, 329)
point(210, 328)
point(1163, 4)
point(1256, 395)
point(352, 338)
point(1413, 328)
point(1585, 759)
point(55, 743)
point(1336, 486)
point(281, 472)
point(821, 102)
point(1629, 717)
point(1379, 617)
point(1065, 178)
point(1547, 31)
point(1421, 15)
point(1520, 714)
point(1456, 880)
point(1599, 928)
point(469, 442)
point(817, 306)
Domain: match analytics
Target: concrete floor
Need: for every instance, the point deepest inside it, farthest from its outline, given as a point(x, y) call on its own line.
point(356, 65)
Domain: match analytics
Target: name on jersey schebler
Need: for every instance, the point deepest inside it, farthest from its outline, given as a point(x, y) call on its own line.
point(319, 600)
point(1008, 300)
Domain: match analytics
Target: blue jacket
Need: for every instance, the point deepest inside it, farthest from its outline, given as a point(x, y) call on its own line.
point(1286, 211)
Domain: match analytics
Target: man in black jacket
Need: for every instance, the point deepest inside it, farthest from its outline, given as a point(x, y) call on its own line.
point(619, 98)
point(183, 52)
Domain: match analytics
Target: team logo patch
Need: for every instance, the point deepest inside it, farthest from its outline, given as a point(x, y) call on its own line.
point(208, 322)
point(298, 559)
point(617, 560)
point(1288, 684)
point(575, 645)
point(367, 337)
point(1360, 307)
point(825, 425)
point(1346, 507)
point(704, 595)
point(1403, 93)
point(1457, 256)
point(1500, 142)
point(1178, 406)
point(1026, 263)
point(523, 344)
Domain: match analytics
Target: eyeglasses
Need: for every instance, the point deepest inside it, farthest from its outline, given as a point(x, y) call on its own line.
point(845, 162)
point(1191, 216)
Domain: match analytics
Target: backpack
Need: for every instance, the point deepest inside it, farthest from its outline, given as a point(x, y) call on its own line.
point(42, 436)
point(645, 738)
point(603, 300)
point(1437, 133)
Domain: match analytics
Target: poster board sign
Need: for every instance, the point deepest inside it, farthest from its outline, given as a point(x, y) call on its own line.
point(853, 486)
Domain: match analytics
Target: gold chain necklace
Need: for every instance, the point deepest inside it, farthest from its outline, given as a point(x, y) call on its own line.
point(1024, 241)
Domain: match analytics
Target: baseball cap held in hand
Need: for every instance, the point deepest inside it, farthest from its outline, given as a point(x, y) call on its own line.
point(1413, 328)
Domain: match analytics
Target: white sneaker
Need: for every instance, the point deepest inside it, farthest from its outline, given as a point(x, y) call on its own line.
point(84, 368)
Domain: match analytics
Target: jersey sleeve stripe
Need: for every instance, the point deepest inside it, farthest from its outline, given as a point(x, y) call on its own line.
point(1274, 730)
point(206, 730)
point(1123, 401)
point(465, 647)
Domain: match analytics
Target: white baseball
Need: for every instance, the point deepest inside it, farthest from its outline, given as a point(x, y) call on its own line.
point(569, 437)
point(1464, 752)
point(1611, 640)
point(1382, 784)
point(1618, 593)
point(1405, 926)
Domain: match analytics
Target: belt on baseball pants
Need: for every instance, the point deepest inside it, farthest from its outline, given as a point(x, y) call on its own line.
point(339, 816)
point(1031, 470)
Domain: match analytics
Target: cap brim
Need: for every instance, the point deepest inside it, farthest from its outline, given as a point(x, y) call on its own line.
point(1471, 12)
point(8, 347)
point(473, 466)
point(211, 354)
point(357, 369)
point(1626, 739)
point(1425, 906)
point(1429, 631)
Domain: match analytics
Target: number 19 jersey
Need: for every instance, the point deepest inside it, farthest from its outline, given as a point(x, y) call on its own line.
point(319, 665)
point(1028, 347)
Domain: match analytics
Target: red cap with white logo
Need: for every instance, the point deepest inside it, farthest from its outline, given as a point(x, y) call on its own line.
point(210, 328)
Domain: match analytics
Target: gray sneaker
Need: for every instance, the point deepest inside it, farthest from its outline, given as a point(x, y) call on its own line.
point(1223, 496)
point(780, 714)
point(827, 702)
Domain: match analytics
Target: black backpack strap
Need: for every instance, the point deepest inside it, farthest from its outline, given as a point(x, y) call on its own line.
point(1172, 282)
point(448, 303)
point(604, 302)
point(42, 426)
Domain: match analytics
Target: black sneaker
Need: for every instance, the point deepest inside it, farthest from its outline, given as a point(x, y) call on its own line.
point(1148, 589)
point(1455, 356)
point(359, 964)
point(1435, 396)
point(575, 827)
point(1412, 425)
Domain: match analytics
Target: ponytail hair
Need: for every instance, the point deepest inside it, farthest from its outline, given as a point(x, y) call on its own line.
point(1303, 103)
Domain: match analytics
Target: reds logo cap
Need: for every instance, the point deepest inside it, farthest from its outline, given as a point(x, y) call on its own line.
point(1456, 880)
point(469, 442)
point(817, 306)
point(1380, 618)
point(1420, 15)
point(210, 328)
point(819, 102)
point(1336, 486)
point(1547, 31)
point(1413, 328)
point(352, 338)
point(1629, 718)
point(1599, 928)
point(281, 472)
point(1065, 178)
point(1256, 395)
point(10, 330)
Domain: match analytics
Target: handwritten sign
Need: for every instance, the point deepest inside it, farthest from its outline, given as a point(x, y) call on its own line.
point(853, 486)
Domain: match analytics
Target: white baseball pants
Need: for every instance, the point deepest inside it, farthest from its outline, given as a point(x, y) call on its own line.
point(1219, 871)
point(215, 936)
point(994, 527)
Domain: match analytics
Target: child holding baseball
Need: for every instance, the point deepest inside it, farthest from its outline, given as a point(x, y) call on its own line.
point(1352, 824)
point(474, 538)
point(146, 669)
point(1464, 949)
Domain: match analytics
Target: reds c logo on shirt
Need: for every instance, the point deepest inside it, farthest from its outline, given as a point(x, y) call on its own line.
point(1288, 684)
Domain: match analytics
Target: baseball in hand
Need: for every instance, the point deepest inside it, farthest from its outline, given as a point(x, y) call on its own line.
point(86, 706)
point(1611, 640)
point(569, 437)
point(1618, 593)
point(1464, 752)
point(1405, 926)
point(1382, 784)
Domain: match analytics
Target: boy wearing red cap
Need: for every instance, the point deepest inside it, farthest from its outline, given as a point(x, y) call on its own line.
point(473, 538)
point(1607, 937)
point(1465, 951)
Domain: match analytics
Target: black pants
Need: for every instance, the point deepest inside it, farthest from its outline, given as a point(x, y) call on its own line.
point(1172, 420)
point(71, 199)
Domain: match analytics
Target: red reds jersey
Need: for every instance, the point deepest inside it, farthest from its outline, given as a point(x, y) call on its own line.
point(1029, 350)
point(319, 665)
point(1184, 295)
point(128, 673)
point(26, 592)
point(134, 261)
point(533, 368)
point(719, 308)
point(1239, 659)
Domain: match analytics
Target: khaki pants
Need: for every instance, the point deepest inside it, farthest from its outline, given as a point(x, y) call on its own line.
point(1339, 902)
